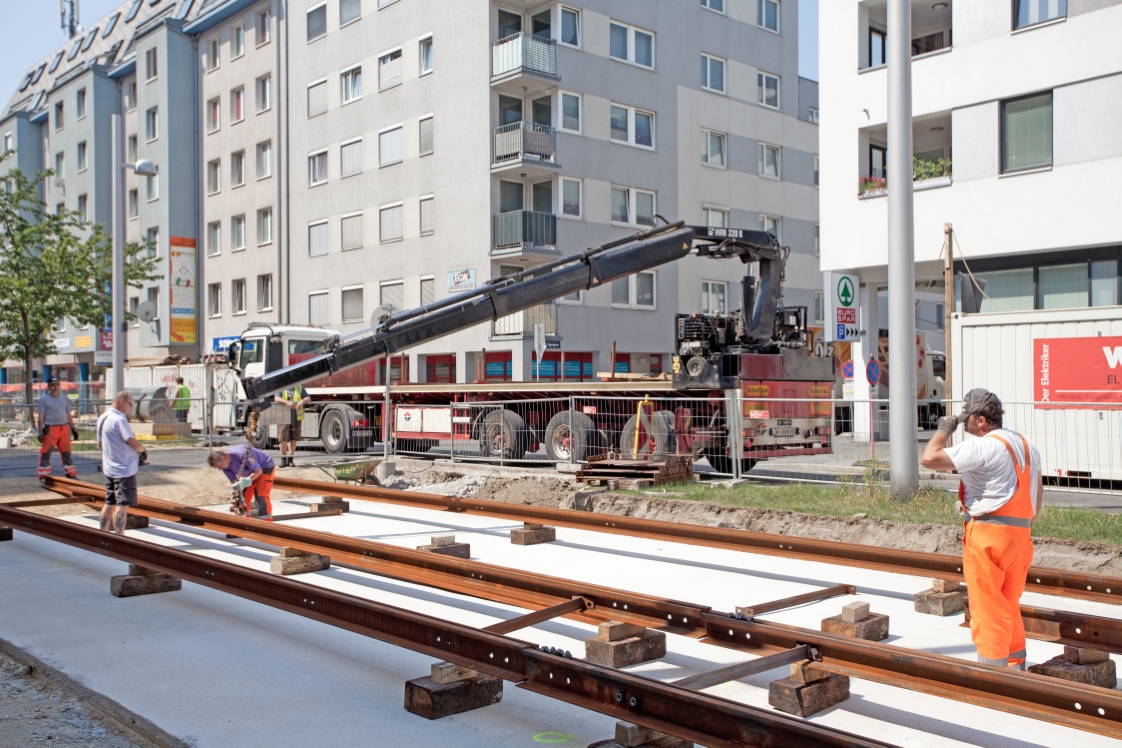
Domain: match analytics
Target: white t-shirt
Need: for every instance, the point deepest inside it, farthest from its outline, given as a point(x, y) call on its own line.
point(118, 458)
point(988, 473)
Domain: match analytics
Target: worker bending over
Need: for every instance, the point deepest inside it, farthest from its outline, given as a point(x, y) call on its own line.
point(251, 470)
point(1000, 492)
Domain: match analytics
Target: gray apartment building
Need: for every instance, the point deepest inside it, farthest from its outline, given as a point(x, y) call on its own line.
point(329, 159)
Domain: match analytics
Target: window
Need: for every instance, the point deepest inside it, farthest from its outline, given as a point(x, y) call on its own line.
point(425, 53)
point(317, 239)
point(59, 111)
point(428, 216)
point(350, 159)
point(351, 231)
point(264, 293)
point(816, 171)
point(812, 116)
point(425, 133)
point(1012, 289)
point(265, 159)
point(428, 290)
point(154, 297)
point(152, 188)
point(1029, 12)
point(630, 44)
point(878, 162)
point(636, 291)
point(940, 315)
point(213, 115)
point(817, 241)
point(714, 5)
point(1104, 282)
point(134, 203)
point(571, 202)
point(237, 233)
point(392, 294)
point(265, 226)
point(820, 306)
point(390, 222)
point(878, 48)
point(352, 85)
point(151, 63)
point(317, 23)
point(713, 297)
point(389, 146)
point(1062, 286)
point(237, 295)
point(772, 225)
point(130, 96)
point(265, 93)
point(317, 99)
point(632, 126)
point(570, 27)
point(60, 165)
point(84, 207)
point(264, 27)
point(153, 241)
point(80, 104)
point(82, 156)
point(317, 168)
point(352, 304)
point(570, 112)
point(214, 238)
point(1026, 133)
point(389, 70)
point(715, 217)
point(237, 169)
point(134, 305)
point(237, 42)
point(349, 10)
point(712, 73)
point(317, 308)
point(57, 60)
point(632, 206)
point(768, 86)
point(214, 299)
point(237, 105)
point(769, 161)
point(767, 14)
point(213, 58)
point(213, 177)
point(133, 148)
point(713, 148)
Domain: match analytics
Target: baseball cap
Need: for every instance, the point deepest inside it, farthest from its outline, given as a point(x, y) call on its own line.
point(52, 380)
point(975, 400)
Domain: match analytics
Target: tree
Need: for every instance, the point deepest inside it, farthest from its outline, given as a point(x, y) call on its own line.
point(49, 272)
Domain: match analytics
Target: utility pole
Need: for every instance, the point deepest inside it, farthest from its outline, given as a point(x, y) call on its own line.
point(68, 12)
point(948, 307)
point(120, 326)
point(903, 454)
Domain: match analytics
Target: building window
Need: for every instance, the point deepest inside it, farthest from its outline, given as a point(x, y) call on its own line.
point(878, 162)
point(570, 27)
point(264, 27)
point(632, 126)
point(428, 215)
point(1026, 133)
point(237, 233)
point(265, 159)
point(350, 159)
point(1029, 12)
point(213, 59)
point(84, 207)
point(878, 48)
point(940, 315)
point(713, 148)
point(317, 99)
point(428, 290)
point(817, 240)
point(81, 103)
point(264, 293)
point(317, 239)
point(772, 225)
point(317, 23)
point(425, 53)
point(769, 161)
point(60, 165)
point(816, 171)
point(351, 231)
point(151, 68)
point(214, 299)
point(134, 203)
point(392, 294)
point(213, 115)
point(237, 42)
point(237, 295)
point(237, 105)
point(768, 90)
point(352, 85)
point(425, 133)
point(714, 296)
point(633, 207)
point(767, 14)
point(714, 5)
point(265, 93)
point(213, 177)
point(214, 238)
point(712, 73)
point(134, 149)
point(390, 222)
point(130, 96)
point(1062, 286)
point(389, 70)
point(237, 169)
point(152, 188)
point(82, 157)
point(59, 119)
point(134, 305)
point(317, 308)
point(265, 226)
point(352, 304)
point(154, 297)
point(389, 147)
point(349, 10)
point(717, 218)
point(636, 291)
point(630, 44)
point(570, 113)
point(812, 116)
point(317, 168)
point(819, 306)
point(571, 199)
point(1104, 282)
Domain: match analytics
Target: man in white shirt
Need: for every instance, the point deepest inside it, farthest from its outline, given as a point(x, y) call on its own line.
point(121, 457)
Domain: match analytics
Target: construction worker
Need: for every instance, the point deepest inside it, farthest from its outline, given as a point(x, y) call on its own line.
point(294, 399)
point(182, 402)
point(56, 428)
point(121, 457)
point(1000, 492)
point(251, 470)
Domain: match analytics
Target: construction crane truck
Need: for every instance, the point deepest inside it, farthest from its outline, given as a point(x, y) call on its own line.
point(721, 362)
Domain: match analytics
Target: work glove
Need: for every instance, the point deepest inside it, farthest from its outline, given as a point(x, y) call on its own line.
point(243, 484)
point(144, 457)
point(44, 433)
point(73, 432)
point(947, 424)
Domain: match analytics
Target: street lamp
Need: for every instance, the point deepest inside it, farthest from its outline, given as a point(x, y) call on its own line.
point(142, 168)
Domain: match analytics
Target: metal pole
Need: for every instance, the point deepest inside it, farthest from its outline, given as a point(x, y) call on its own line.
point(948, 308)
point(903, 455)
point(119, 325)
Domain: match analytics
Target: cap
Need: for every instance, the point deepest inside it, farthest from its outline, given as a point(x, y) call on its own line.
point(975, 400)
point(52, 380)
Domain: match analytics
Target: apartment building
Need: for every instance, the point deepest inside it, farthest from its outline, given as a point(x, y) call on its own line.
point(1014, 145)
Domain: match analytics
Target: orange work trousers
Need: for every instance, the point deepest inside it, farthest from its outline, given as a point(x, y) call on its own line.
point(58, 437)
point(995, 562)
point(259, 496)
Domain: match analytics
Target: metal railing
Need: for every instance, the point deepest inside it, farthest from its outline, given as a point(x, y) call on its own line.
point(520, 51)
point(525, 228)
point(525, 140)
point(522, 323)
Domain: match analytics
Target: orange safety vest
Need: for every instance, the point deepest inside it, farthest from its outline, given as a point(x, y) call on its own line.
point(1018, 511)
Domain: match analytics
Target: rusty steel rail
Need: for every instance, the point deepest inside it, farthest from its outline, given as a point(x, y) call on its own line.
point(677, 711)
point(939, 565)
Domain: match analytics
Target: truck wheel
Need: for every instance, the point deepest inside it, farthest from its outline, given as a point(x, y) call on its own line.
point(333, 432)
point(258, 438)
point(569, 436)
point(722, 463)
point(671, 435)
point(504, 435)
point(660, 431)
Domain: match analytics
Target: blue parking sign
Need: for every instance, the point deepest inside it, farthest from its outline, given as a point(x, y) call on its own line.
point(841, 332)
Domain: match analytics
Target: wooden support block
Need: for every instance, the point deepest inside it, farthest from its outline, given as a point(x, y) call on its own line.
point(631, 735)
point(945, 585)
point(439, 541)
point(288, 565)
point(854, 612)
point(807, 672)
point(450, 672)
point(5, 533)
point(874, 628)
point(135, 522)
point(292, 553)
point(532, 525)
point(938, 603)
point(1102, 673)
point(805, 699)
point(612, 631)
point(533, 536)
point(142, 581)
point(650, 645)
point(431, 700)
point(331, 504)
point(456, 550)
point(1084, 656)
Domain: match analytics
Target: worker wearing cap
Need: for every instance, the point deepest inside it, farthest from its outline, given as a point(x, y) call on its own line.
point(56, 427)
point(1000, 492)
point(251, 470)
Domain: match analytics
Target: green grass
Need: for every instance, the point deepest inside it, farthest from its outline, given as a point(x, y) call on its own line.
point(928, 506)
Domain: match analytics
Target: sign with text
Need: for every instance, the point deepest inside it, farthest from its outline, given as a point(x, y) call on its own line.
point(461, 280)
point(842, 301)
point(1077, 372)
point(181, 253)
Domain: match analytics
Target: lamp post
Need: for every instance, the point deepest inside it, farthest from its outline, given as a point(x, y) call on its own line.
point(143, 168)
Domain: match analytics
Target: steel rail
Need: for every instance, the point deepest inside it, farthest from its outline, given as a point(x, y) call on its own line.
point(939, 565)
point(674, 710)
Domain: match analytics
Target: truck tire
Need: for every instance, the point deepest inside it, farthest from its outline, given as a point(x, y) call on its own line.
point(333, 432)
point(563, 443)
point(504, 435)
point(660, 430)
point(722, 463)
point(671, 434)
point(258, 438)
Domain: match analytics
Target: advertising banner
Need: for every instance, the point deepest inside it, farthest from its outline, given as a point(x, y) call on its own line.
point(182, 281)
point(842, 302)
point(1077, 370)
point(461, 280)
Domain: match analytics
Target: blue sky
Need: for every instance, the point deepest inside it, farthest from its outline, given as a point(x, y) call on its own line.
point(32, 30)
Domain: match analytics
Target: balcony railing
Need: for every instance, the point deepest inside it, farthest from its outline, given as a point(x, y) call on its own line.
point(525, 140)
point(522, 323)
point(524, 52)
point(526, 229)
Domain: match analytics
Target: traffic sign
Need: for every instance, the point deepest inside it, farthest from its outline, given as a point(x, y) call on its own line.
point(872, 372)
point(842, 301)
point(847, 370)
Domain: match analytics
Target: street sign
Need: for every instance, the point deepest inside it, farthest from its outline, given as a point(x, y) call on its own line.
point(539, 348)
point(842, 300)
point(872, 372)
point(553, 344)
point(847, 370)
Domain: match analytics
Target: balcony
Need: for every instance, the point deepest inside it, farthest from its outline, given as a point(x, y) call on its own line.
point(931, 31)
point(527, 147)
point(521, 231)
point(931, 156)
point(522, 323)
point(524, 63)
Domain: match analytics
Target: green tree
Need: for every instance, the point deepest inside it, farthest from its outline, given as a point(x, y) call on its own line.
point(53, 266)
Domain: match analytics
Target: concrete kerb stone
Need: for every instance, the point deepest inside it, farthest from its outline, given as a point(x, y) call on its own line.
point(944, 598)
point(142, 581)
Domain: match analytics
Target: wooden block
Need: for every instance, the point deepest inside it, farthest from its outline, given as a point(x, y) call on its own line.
point(938, 603)
point(651, 645)
point(611, 631)
point(631, 735)
point(1102, 673)
point(533, 536)
point(532, 525)
point(854, 612)
point(5, 533)
point(945, 585)
point(805, 699)
point(335, 505)
point(450, 672)
point(292, 553)
point(807, 672)
point(135, 522)
point(288, 565)
point(1084, 656)
point(874, 628)
point(440, 541)
point(141, 571)
point(431, 700)
point(456, 550)
point(144, 584)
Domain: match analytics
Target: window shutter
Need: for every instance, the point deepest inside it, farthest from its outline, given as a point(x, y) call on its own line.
point(426, 136)
point(352, 304)
point(352, 158)
point(391, 223)
point(317, 239)
point(393, 293)
point(317, 99)
point(428, 217)
point(428, 291)
point(317, 309)
point(349, 10)
point(390, 146)
point(352, 232)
